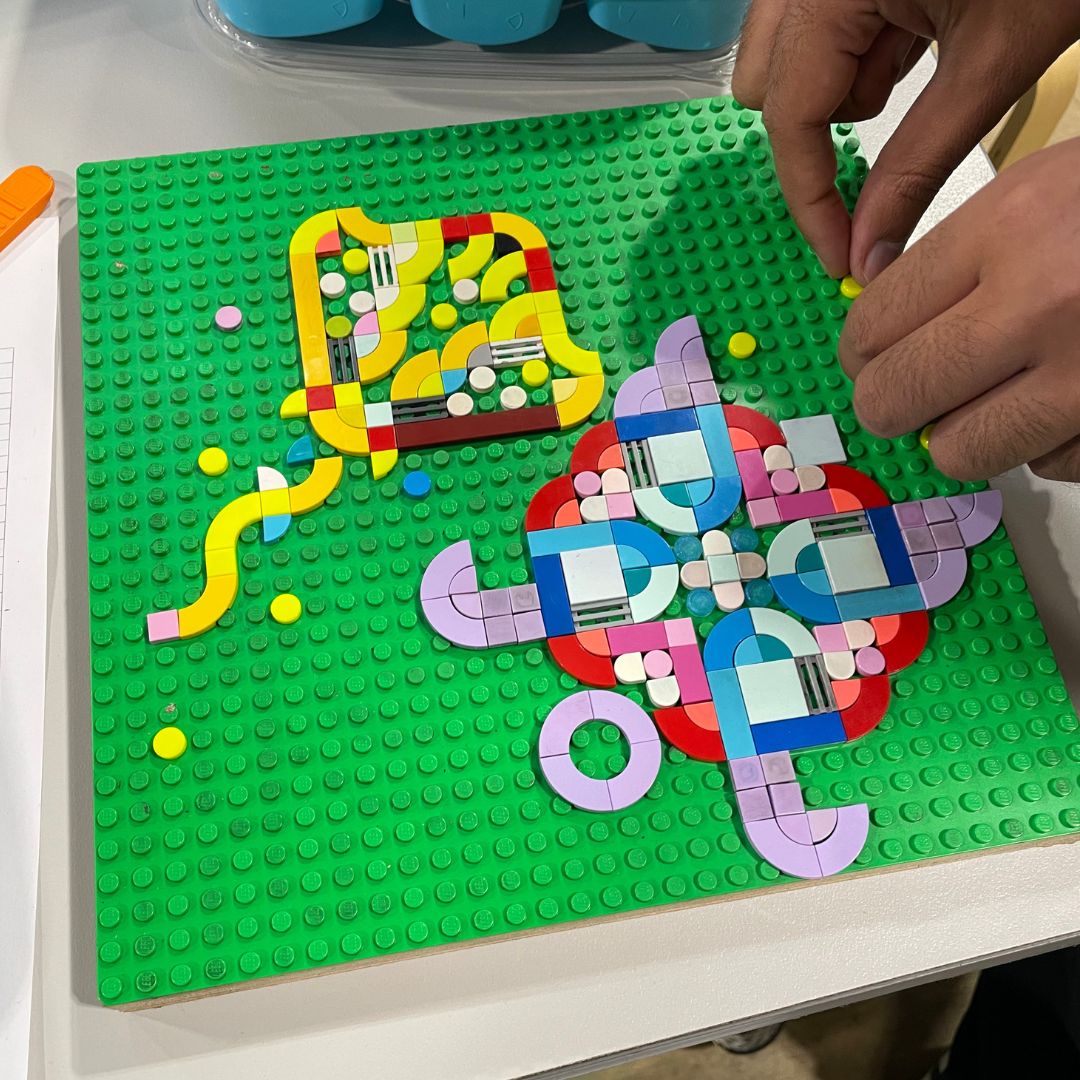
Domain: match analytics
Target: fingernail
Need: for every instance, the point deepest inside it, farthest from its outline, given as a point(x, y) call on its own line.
point(882, 255)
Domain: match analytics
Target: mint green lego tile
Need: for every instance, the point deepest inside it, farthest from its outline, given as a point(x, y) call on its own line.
point(353, 787)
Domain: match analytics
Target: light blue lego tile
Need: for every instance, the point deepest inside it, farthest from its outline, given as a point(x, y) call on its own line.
point(714, 428)
point(748, 652)
point(875, 602)
point(793, 593)
point(724, 638)
point(731, 712)
point(275, 527)
point(570, 538)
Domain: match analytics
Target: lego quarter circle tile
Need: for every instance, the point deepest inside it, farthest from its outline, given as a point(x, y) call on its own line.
point(322, 752)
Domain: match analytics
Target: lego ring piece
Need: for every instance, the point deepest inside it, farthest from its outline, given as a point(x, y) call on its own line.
point(566, 778)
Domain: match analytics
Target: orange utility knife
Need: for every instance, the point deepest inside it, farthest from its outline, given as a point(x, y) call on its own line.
point(23, 195)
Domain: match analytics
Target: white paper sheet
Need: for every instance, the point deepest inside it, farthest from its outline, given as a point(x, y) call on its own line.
point(28, 285)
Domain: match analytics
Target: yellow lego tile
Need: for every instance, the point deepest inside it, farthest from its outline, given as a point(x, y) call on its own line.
point(325, 476)
point(221, 562)
point(275, 502)
point(546, 301)
point(217, 597)
point(348, 394)
point(231, 520)
point(429, 229)
point(382, 461)
point(552, 322)
point(294, 406)
point(403, 232)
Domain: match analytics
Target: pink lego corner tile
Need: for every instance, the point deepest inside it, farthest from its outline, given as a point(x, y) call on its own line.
point(621, 506)
point(842, 848)
point(163, 625)
point(822, 823)
point(796, 860)
point(831, 637)
point(366, 325)
point(681, 632)
point(763, 512)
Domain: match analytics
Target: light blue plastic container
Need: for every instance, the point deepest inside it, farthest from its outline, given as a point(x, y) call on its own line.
point(671, 24)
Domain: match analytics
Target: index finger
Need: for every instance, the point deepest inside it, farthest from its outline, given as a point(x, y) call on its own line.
point(814, 63)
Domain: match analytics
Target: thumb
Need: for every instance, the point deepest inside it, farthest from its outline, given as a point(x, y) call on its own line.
point(959, 105)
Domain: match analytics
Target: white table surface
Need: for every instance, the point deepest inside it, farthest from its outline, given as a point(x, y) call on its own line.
point(114, 78)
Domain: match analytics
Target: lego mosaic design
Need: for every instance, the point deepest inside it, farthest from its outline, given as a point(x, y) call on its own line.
point(481, 539)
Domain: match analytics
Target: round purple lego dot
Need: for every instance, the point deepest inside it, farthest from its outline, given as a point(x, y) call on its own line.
point(586, 484)
point(228, 318)
point(869, 661)
point(658, 664)
point(784, 482)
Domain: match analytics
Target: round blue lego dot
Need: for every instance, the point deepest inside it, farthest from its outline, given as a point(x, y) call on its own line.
point(416, 484)
point(758, 593)
point(745, 539)
point(687, 549)
point(700, 603)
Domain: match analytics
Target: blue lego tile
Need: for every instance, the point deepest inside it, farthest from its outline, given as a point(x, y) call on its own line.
point(727, 493)
point(731, 712)
point(890, 544)
point(724, 639)
point(301, 452)
point(817, 581)
point(793, 593)
point(633, 534)
point(714, 429)
point(637, 580)
point(747, 652)
point(798, 734)
point(453, 380)
point(630, 558)
point(275, 527)
point(871, 603)
point(570, 538)
point(554, 602)
point(633, 428)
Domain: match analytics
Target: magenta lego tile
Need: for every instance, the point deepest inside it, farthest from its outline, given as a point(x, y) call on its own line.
point(755, 479)
point(785, 482)
point(806, 504)
point(690, 674)
point(680, 632)
point(636, 638)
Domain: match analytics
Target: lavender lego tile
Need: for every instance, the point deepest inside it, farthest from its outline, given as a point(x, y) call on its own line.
point(443, 568)
point(669, 349)
point(468, 603)
point(946, 536)
point(678, 397)
point(634, 390)
point(746, 773)
point(786, 798)
point(561, 723)
point(778, 767)
point(842, 848)
point(694, 351)
point(909, 514)
point(638, 776)
point(698, 370)
point(983, 519)
point(529, 626)
point(962, 505)
point(822, 823)
point(704, 393)
point(500, 630)
point(947, 581)
point(925, 566)
point(464, 581)
point(445, 619)
point(796, 827)
point(524, 598)
point(919, 540)
point(495, 602)
point(672, 374)
point(796, 860)
point(937, 509)
point(577, 789)
point(629, 717)
point(754, 804)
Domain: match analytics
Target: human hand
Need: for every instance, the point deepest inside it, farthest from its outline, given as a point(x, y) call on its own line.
point(809, 63)
point(978, 324)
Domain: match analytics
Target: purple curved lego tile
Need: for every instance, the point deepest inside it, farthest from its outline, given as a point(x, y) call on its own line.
point(947, 581)
point(694, 351)
point(561, 723)
point(633, 391)
point(468, 603)
point(962, 505)
point(822, 823)
point(842, 848)
point(675, 338)
point(629, 717)
point(654, 401)
point(442, 569)
point(983, 519)
point(445, 619)
point(464, 581)
point(574, 786)
point(925, 565)
point(767, 839)
point(796, 827)
point(639, 775)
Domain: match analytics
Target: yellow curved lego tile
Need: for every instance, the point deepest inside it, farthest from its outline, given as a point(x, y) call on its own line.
point(579, 406)
point(342, 436)
point(309, 233)
point(312, 492)
point(496, 283)
point(505, 321)
point(411, 375)
point(563, 389)
point(382, 461)
point(360, 227)
point(311, 329)
point(428, 259)
point(400, 314)
point(576, 360)
point(473, 259)
point(432, 386)
point(217, 597)
point(521, 229)
point(378, 364)
point(231, 520)
point(458, 349)
point(294, 406)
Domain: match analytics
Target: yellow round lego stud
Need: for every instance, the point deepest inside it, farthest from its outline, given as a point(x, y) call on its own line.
point(924, 436)
point(337, 326)
point(850, 288)
point(169, 743)
point(742, 345)
point(534, 372)
point(285, 608)
point(355, 261)
point(444, 316)
point(213, 461)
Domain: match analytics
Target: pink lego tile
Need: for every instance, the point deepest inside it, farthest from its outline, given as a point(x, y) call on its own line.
point(643, 638)
point(690, 674)
point(869, 661)
point(831, 638)
point(681, 632)
point(785, 482)
point(621, 505)
point(587, 483)
point(755, 479)
point(763, 512)
point(806, 504)
point(163, 625)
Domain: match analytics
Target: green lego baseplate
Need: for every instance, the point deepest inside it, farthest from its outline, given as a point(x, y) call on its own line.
point(334, 782)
